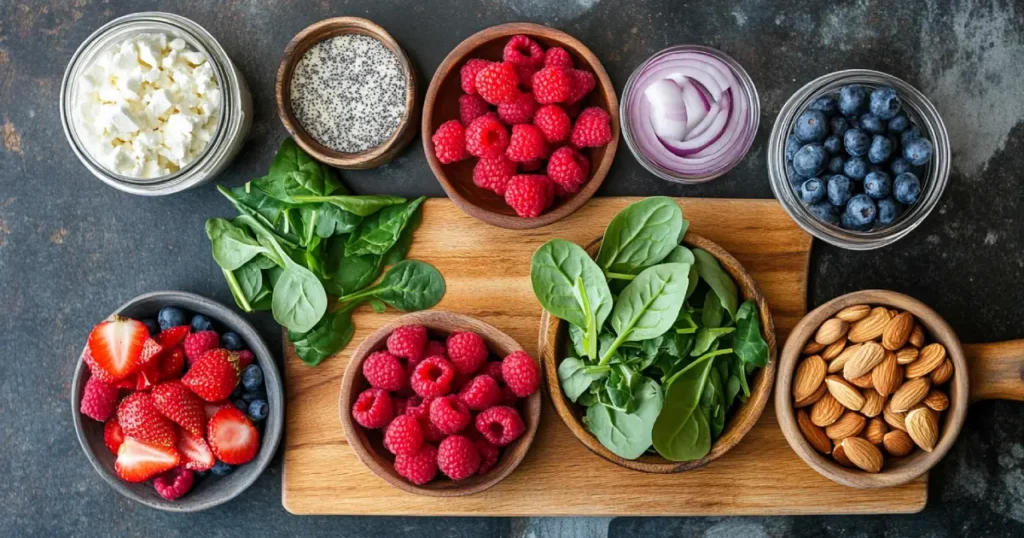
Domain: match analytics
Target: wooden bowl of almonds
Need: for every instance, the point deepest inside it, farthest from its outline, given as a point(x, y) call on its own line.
point(873, 387)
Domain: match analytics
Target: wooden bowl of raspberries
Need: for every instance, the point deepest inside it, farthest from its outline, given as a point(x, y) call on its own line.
point(520, 125)
point(440, 404)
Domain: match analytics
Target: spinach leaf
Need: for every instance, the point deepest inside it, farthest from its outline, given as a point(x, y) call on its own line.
point(232, 245)
point(377, 234)
point(263, 261)
point(573, 379)
point(408, 286)
point(361, 206)
point(720, 281)
point(332, 220)
point(749, 345)
point(328, 337)
point(628, 435)
point(268, 208)
point(713, 402)
point(649, 305)
point(641, 235)
point(713, 312)
point(682, 431)
point(299, 300)
point(621, 381)
point(294, 173)
point(706, 336)
point(250, 280)
point(680, 254)
point(400, 249)
point(377, 305)
point(576, 337)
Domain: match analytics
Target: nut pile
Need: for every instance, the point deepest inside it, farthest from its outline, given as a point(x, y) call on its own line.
point(868, 387)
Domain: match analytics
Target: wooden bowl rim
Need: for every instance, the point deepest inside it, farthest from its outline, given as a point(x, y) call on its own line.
point(355, 435)
point(294, 51)
point(908, 468)
point(741, 421)
point(598, 173)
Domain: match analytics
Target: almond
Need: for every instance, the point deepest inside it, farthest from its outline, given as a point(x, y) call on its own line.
point(830, 331)
point(839, 454)
point(898, 443)
point(869, 328)
point(936, 400)
point(923, 427)
point(892, 312)
point(848, 425)
point(868, 356)
point(863, 382)
point(826, 411)
point(910, 394)
point(873, 403)
point(916, 336)
point(808, 377)
point(897, 331)
point(906, 355)
point(813, 398)
point(814, 435)
point(894, 419)
point(834, 349)
point(930, 358)
point(887, 376)
point(845, 393)
point(839, 362)
point(875, 431)
point(854, 313)
point(943, 373)
point(863, 454)
point(812, 348)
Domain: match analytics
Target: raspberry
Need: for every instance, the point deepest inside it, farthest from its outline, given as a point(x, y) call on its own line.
point(488, 454)
point(508, 397)
point(449, 414)
point(419, 408)
point(174, 483)
point(582, 83)
point(518, 111)
point(434, 349)
point(530, 166)
point(373, 408)
point(521, 50)
point(557, 57)
point(432, 377)
point(525, 74)
point(449, 142)
point(498, 83)
point(568, 169)
point(404, 436)
point(527, 143)
point(486, 137)
point(493, 369)
point(493, 174)
point(245, 358)
point(408, 342)
point(383, 371)
point(500, 425)
point(521, 373)
point(458, 457)
point(418, 468)
point(467, 351)
point(530, 194)
point(480, 393)
point(468, 73)
point(592, 129)
point(431, 433)
point(552, 85)
point(198, 343)
point(471, 107)
point(553, 122)
point(99, 400)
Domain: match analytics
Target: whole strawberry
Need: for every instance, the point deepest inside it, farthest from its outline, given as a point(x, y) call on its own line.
point(181, 406)
point(214, 376)
point(139, 418)
point(530, 194)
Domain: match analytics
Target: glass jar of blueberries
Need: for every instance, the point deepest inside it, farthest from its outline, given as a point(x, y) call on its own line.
point(858, 158)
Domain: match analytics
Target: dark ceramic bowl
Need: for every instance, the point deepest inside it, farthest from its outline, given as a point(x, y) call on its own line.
point(211, 490)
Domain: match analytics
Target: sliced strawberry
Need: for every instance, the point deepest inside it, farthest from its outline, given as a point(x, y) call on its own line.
point(139, 418)
point(214, 376)
point(179, 404)
point(232, 436)
point(138, 461)
point(172, 337)
point(115, 348)
point(171, 364)
point(113, 436)
point(195, 452)
point(151, 351)
point(211, 408)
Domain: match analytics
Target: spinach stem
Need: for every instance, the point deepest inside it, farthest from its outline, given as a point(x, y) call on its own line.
point(699, 360)
point(619, 276)
point(368, 292)
point(614, 347)
point(597, 370)
point(236, 290)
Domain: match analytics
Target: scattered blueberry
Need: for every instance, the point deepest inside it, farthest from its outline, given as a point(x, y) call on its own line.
point(856, 168)
point(231, 341)
point(252, 377)
point(877, 185)
point(171, 316)
point(871, 124)
point(824, 211)
point(220, 468)
point(918, 151)
point(862, 210)
point(838, 126)
point(201, 323)
point(836, 164)
point(898, 124)
point(857, 142)
point(833, 144)
point(258, 410)
point(885, 104)
point(880, 150)
point(839, 190)
point(152, 325)
point(852, 100)
point(792, 146)
point(826, 104)
point(888, 211)
point(813, 190)
point(909, 134)
point(899, 165)
point(906, 188)
point(809, 160)
point(811, 126)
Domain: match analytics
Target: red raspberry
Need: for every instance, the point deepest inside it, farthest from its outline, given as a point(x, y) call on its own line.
point(418, 468)
point(553, 122)
point(493, 369)
point(373, 408)
point(519, 111)
point(404, 436)
point(500, 425)
point(480, 393)
point(552, 85)
point(432, 377)
point(508, 397)
point(582, 84)
point(245, 358)
point(408, 342)
point(99, 400)
point(493, 174)
point(521, 50)
point(467, 351)
point(449, 142)
point(527, 143)
point(399, 405)
point(531, 166)
point(435, 348)
point(525, 74)
point(488, 454)
point(593, 129)
point(431, 433)
point(521, 373)
point(458, 457)
point(383, 371)
point(568, 169)
point(498, 83)
point(198, 343)
point(174, 483)
point(530, 194)
point(449, 414)
point(468, 73)
point(557, 57)
point(419, 408)
point(486, 137)
point(471, 107)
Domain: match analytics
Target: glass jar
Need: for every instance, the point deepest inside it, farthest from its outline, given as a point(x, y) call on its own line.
point(235, 112)
point(920, 111)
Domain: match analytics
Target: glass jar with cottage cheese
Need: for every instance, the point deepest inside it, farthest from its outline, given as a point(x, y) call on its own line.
point(152, 104)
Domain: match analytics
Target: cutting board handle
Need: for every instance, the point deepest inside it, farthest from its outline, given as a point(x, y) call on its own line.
point(997, 370)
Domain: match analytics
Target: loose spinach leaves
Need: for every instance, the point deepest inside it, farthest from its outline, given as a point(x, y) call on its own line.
point(641, 235)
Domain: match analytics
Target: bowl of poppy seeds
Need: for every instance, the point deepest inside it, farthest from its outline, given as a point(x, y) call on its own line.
point(346, 91)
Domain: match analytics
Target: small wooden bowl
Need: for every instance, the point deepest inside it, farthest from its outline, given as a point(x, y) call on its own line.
point(553, 338)
point(298, 46)
point(368, 444)
point(442, 104)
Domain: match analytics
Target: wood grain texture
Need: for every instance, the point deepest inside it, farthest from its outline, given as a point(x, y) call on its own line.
point(487, 272)
point(997, 370)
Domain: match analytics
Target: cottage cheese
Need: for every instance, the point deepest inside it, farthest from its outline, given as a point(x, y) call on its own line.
point(147, 106)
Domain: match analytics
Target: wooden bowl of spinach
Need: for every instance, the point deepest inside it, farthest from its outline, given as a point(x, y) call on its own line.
point(658, 347)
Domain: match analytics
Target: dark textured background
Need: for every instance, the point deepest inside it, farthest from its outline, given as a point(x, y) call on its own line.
point(72, 249)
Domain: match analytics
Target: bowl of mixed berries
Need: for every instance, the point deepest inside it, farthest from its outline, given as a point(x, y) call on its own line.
point(440, 404)
point(177, 402)
point(520, 125)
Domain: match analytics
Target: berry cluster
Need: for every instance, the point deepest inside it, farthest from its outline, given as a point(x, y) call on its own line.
point(444, 405)
point(521, 118)
point(177, 398)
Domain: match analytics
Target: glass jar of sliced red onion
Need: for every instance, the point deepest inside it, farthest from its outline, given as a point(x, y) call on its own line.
point(689, 113)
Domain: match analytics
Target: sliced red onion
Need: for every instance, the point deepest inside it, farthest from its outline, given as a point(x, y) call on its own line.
point(696, 105)
point(668, 112)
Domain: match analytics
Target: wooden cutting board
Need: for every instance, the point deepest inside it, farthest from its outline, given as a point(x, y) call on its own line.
point(487, 273)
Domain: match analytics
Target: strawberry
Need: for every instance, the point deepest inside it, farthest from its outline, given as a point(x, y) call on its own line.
point(148, 374)
point(170, 364)
point(172, 337)
point(213, 376)
point(211, 408)
point(174, 401)
point(195, 452)
point(139, 418)
point(115, 348)
point(151, 351)
point(138, 461)
point(113, 435)
point(198, 343)
point(232, 436)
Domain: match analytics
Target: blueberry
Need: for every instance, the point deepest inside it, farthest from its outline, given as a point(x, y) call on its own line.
point(811, 126)
point(252, 377)
point(909, 134)
point(201, 323)
point(809, 160)
point(906, 188)
point(792, 146)
point(852, 100)
point(231, 341)
point(885, 104)
point(899, 165)
point(826, 104)
point(888, 211)
point(918, 151)
point(862, 210)
point(838, 126)
point(824, 211)
point(833, 144)
point(220, 468)
point(856, 168)
point(171, 316)
point(813, 190)
point(846, 222)
point(836, 164)
point(880, 150)
point(871, 124)
point(857, 142)
point(152, 325)
point(898, 124)
point(877, 185)
point(240, 404)
point(839, 190)
point(258, 410)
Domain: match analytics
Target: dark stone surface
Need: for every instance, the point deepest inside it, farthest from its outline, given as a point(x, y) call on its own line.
point(72, 249)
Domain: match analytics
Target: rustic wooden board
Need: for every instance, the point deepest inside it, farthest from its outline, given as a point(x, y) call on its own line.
point(487, 271)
